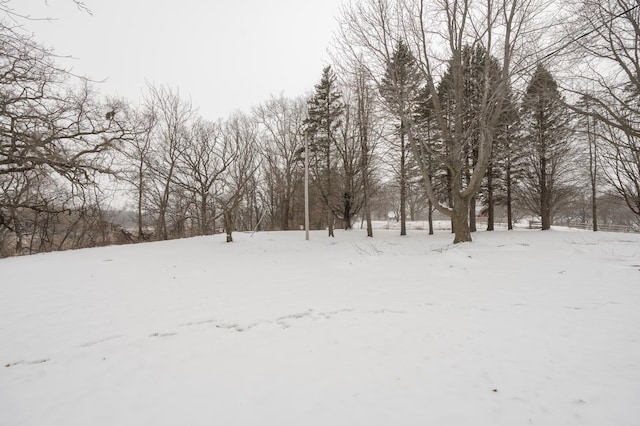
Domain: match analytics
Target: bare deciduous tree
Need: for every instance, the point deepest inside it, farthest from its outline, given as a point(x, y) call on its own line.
point(281, 125)
point(621, 161)
point(54, 129)
point(203, 160)
point(240, 139)
point(611, 76)
point(364, 122)
point(173, 115)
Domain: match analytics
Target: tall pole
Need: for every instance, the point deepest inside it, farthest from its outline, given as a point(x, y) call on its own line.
point(306, 186)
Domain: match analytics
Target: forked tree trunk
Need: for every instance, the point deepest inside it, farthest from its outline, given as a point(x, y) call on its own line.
point(347, 211)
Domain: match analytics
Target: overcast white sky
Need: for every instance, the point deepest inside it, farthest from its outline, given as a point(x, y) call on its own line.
point(224, 54)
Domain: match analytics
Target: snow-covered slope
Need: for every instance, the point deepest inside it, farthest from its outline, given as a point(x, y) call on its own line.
point(516, 328)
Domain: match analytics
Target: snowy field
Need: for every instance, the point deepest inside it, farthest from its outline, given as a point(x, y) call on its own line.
point(516, 328)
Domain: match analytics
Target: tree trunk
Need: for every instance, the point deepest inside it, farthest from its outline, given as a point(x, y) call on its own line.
point(161, 224)
point(472, 214)
point(17, 230)
point(203, 214)
point(228, 224)
point(330, 221)
point(490, 200)
point(347, 211)
point(509, 200)
point(545, 211)
point(450, 196)
point(593, 174)
point(430, 218)
point(363, 133)
point(403, 184)
point(329, 190)
point(365, 188)
point(594, 208)
point(286, 204)
point(140, 195)
point(284, 219)
point(161, 227)
point(460, 220)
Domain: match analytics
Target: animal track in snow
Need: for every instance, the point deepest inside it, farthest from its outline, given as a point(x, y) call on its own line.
point(386, 311)
point(235, 327)
point(21, 362)
point(96, 342)
point(372, 250)
point(283, 322)
point(190, 324)
point(162, 334)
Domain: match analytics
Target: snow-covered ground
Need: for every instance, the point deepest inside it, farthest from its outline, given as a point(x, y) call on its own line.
point(516, 328)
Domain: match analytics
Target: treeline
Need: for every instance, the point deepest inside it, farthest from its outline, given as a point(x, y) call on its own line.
point(455, 109)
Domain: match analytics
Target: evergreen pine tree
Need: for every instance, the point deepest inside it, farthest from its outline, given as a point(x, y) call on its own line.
point(432, 151)
point(325, 111)
point(507, 163)
point(399, 88)
point(545, 131)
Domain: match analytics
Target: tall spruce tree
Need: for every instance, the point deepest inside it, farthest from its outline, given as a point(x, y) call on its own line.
point(325, 111)
point(400, 88)
point(545, 131)
point(432, 152)
point(506, 165)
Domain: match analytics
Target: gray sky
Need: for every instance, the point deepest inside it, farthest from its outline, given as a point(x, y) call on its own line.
point(224, 54)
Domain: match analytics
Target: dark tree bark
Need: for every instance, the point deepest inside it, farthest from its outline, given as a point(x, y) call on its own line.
point(347, 211)
point(508, 183)
point(403, 182)
point(490, 200)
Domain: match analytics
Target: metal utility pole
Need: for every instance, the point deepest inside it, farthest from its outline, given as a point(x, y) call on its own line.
point(306, 186)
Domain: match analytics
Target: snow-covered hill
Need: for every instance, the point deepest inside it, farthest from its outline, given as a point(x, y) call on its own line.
point(516, 328)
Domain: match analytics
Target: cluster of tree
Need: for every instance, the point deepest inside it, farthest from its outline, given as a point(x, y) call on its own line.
point(56, 138)
point(194, 177)
point(429, 107)
point(485, 119)
point(188, 172)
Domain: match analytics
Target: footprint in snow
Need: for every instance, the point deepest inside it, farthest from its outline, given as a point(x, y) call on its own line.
point(96, 342)
point(162, 334)
point(38, 361)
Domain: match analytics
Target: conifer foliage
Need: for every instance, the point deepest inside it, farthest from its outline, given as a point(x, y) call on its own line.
point(400, 87)
point(545, 128)
point(325, 116)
